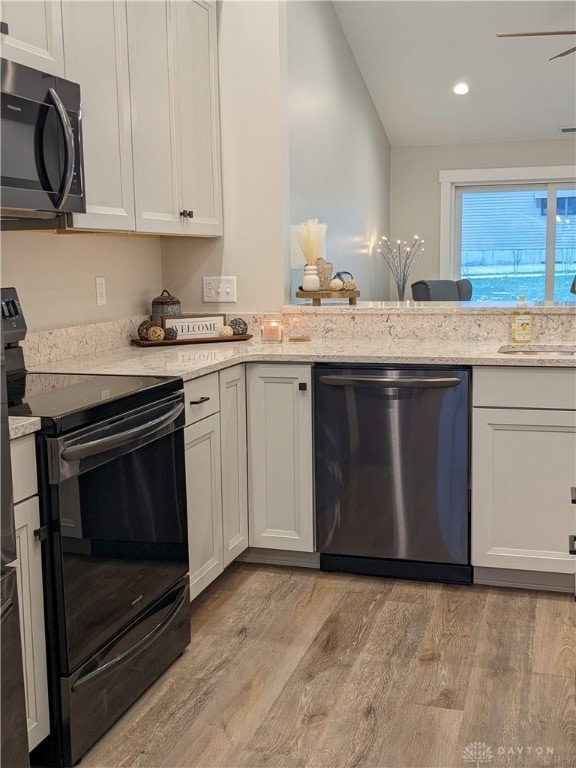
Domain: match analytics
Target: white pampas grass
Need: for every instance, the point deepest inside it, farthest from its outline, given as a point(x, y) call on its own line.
point(311, 238)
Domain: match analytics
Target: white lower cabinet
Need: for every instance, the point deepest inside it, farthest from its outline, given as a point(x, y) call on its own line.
point(234, 462)
point(204, 498)
point(28, 565)
point(523, 466)
point(216, 482)
point(280, 484)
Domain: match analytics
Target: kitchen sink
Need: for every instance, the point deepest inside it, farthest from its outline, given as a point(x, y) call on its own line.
point(551, 350)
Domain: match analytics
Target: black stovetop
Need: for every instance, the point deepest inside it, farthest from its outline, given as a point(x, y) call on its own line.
point(65, 401)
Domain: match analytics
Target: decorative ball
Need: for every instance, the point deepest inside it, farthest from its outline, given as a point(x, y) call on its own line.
point(155, 333)
point(349, 285)
point(225, 331)
point(336, 284)
point(143, 329)
point(239, 326)
point(170, 333)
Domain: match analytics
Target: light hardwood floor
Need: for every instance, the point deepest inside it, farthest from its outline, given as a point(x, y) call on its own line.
point(291, 667)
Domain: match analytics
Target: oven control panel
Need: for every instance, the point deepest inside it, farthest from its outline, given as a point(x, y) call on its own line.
point(13, 323)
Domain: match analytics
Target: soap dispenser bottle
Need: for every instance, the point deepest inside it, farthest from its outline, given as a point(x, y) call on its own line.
point(521, 326)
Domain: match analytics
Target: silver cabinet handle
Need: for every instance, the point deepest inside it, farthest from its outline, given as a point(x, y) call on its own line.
point(573, 495)
point(386, 383)
point(68, 149)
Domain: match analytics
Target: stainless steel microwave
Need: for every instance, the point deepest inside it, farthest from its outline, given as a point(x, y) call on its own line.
point(41, 147)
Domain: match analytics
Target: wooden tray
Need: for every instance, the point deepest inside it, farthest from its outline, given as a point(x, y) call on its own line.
point(317, 296)
point(170, 342)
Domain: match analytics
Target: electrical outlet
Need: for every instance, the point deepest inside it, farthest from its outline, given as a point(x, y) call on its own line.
point(219, 289)
point(100, 291)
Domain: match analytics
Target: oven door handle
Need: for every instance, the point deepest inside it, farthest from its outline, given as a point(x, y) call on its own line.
point(68, 176)
point(138, 646)
point(6, 608)
point(386, 383)
point(83, 450)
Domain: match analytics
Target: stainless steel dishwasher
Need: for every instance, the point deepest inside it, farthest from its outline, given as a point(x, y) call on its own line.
point(392, 470)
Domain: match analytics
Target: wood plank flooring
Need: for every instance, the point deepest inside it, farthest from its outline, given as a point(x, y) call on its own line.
point(294, 668)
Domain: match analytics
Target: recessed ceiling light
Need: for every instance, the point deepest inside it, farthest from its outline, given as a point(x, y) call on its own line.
point(461, 89)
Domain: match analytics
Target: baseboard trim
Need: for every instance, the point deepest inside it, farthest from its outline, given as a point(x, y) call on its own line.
point(508, 577)
point(280, 557)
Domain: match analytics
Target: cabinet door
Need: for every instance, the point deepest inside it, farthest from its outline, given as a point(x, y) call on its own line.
point(96, 46)
point(280, 457)
point(234, 462)
point(155, 139)
point(31, 606)
point(35, 34)
point(175, 117)
point(199, 116)
point(523, 463)
point(204, 498)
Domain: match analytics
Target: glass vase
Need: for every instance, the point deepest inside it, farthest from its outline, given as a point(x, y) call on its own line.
point(400, 289)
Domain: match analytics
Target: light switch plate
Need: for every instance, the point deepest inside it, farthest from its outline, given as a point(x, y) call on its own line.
point(100, 291)
point(219, 289)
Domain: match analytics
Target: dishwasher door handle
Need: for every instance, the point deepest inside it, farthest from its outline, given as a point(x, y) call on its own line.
point(386, 383)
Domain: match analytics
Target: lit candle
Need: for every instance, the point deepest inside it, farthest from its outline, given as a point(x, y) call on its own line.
point(271, 330)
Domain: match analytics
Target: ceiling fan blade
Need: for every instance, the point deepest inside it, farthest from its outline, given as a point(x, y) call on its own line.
point(531, 34)
point(565, 53)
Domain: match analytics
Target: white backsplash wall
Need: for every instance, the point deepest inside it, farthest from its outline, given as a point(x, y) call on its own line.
point(55, 276)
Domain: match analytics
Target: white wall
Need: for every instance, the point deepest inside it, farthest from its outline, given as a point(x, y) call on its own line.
point(415, 188)
point(254, 169)
point(339, 151)
point(54, 276)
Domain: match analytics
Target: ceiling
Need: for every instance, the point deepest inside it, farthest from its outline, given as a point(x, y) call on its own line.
point(412, 52)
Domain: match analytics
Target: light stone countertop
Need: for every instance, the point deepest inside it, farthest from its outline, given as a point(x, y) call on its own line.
point(193, 360)
point(22, 425)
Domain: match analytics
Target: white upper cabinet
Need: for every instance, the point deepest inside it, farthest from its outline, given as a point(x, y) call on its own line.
point(199, 118)
point(148, 76)
point(175, 117)
point(96, 49)
point(34, 34)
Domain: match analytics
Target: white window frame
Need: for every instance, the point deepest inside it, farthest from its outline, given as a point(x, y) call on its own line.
point(555, 176)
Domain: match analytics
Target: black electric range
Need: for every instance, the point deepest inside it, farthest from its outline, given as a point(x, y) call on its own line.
point(65, 401)
point(113, 529)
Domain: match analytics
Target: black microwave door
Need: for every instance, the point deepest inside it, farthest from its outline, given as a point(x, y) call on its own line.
point(31, 154)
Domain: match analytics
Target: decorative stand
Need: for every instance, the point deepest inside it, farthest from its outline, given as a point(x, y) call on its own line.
point(317, 296)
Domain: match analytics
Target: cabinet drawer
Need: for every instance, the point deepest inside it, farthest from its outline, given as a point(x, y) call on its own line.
point(23, 455)
point(202, 397)
point(547, 388)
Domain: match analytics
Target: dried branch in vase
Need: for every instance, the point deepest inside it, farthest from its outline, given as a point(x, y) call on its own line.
point(400, 258)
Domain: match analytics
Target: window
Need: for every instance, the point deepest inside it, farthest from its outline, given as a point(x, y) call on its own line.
point(499, 238)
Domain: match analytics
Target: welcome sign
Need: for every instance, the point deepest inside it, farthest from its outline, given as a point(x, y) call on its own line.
point(195, 326)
